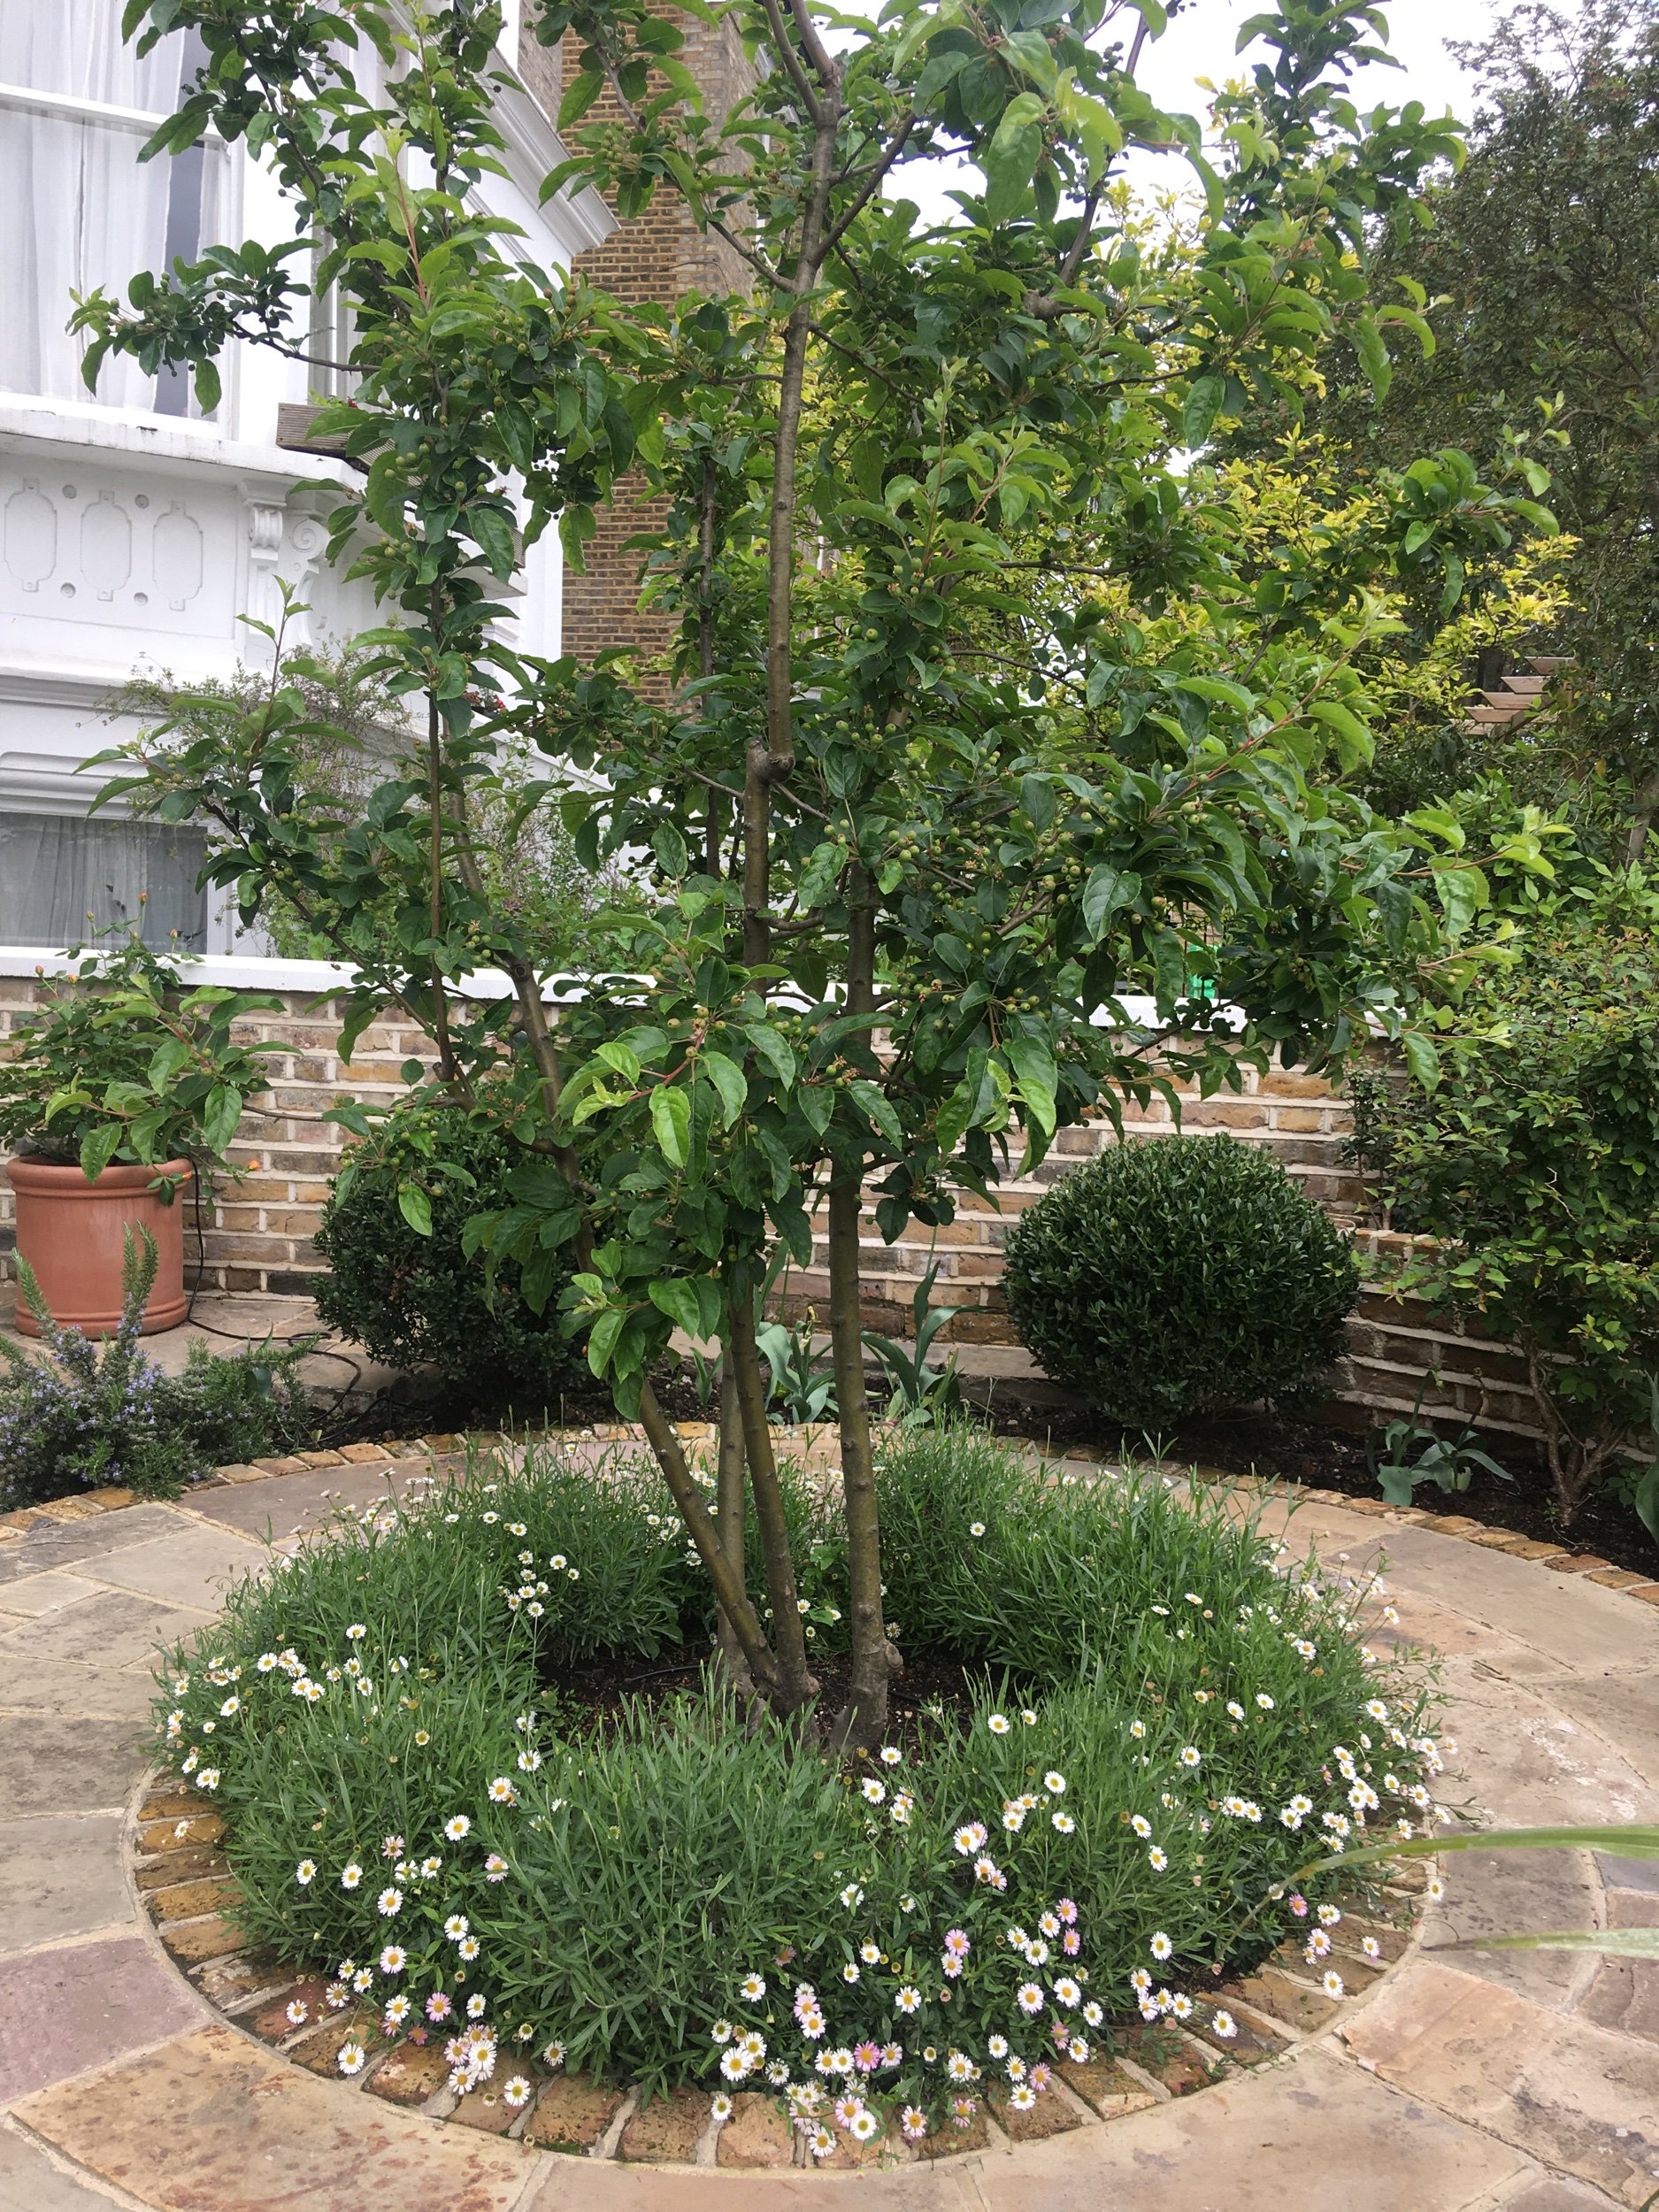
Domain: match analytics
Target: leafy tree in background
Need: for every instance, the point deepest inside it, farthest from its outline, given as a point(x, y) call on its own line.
point(903, 799)
point(1541, 264)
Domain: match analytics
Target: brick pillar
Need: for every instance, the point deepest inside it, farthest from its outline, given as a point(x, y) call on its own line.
point(659, 257)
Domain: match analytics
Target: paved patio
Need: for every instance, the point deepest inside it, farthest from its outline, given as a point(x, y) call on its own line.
point(1499, 2082)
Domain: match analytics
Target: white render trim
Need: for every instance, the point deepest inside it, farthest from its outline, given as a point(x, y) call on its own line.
point(244, 971)
point(35, 427)
point(240, 972)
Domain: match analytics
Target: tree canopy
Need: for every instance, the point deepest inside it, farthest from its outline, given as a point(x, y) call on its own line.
point(990, 710)
point(1537, 264)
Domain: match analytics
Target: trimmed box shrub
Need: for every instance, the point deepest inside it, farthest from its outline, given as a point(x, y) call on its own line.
point(403, 1287)
point(1179, 1275)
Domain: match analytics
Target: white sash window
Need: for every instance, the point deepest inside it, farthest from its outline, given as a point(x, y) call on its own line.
point(82, 211)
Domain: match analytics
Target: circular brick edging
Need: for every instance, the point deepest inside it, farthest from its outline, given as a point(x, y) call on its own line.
point(186, 1889)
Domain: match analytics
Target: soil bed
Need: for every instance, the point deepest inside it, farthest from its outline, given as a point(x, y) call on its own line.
point(934, 1684)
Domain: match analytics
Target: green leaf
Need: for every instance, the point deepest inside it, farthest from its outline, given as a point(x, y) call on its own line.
point(816, 1102)
point(670, 1122)
point(678, 1299)
point(670, 848)
point(1202, 406)
point(772, 1048)
point(879, 1109)
point(818, 877)
point(98, 1148)
point(1631, 1841)
point(416, 1207)
point(619, 1059)
point(1011, 158)
point(1630, 1943)
point(220, 1116)
point(789, 1218)
point(207, 389)
point(1355, 744)
point(1169, 968)
point(729, 1080)
point(1422, 1058)
point(1033, 1063)
point(585, 88)
point(166, 1061)
point(496, 538)
point(1105, 893)
point(1037, 801)
point(602, 1339)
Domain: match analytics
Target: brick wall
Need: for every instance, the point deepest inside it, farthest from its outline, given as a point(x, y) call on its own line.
point(258, 1238)
point(660, 256)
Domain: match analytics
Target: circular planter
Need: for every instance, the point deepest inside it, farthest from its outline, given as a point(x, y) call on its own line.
point(72, 1234)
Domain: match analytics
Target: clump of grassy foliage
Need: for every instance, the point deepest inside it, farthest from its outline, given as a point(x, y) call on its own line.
point(1165, 1725)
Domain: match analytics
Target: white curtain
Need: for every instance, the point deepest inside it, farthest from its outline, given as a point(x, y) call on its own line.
point(81, 208)
point(62, 877)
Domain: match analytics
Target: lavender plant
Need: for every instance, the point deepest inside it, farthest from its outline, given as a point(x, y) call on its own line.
point(89, 1413)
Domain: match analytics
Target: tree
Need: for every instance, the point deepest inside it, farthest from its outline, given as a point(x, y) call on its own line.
point(1539, 260)
point(916, 825)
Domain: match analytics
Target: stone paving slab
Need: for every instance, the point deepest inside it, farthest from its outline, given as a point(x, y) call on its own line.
point(1582, 1627)
point(111, 1628)
point(31, 2181)
point(1574, 2095)
point(60, 1544)
point(1556, 2196)
point(1499, 1891)
point(1510, 2098)
point(35, 1594)
point(48, 1765)
point(29, 1682)
point(188, 1566)
point(1529, 1763)
point(212, 2120)
point(61, 1875)
point(298, 1502)
point(1624, 1710)
point(77, 2006)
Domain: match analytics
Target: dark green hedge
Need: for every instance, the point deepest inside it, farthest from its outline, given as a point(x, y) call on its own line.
point(1175, 1276)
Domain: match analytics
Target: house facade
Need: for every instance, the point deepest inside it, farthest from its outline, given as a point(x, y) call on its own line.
point(138, 538)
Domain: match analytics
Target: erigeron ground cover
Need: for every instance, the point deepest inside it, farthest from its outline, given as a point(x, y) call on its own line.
point(1167, 1718)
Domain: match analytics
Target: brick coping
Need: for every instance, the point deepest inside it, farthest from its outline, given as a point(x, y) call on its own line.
point(442, 1449)
point(1279, 2011)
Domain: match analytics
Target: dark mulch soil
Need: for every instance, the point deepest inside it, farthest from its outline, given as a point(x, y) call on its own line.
point(1330, 1455)
point(934, 1682)
point(1321, 1454)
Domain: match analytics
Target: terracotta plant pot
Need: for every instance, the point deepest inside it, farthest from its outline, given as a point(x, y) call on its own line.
point(72, 1233)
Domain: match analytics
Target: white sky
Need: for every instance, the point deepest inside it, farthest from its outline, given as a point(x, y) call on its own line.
point(1201, 40)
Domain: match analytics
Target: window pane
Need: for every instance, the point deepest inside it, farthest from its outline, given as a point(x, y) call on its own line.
point(62, 877)
point(75, 46)
point(82, 211)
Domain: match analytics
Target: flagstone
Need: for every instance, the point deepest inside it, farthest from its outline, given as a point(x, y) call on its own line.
point(49, 1764)
point(192, 1566)
point(210, 2119)
point(61, 1875)
point(111, 1628)
point(78, 2005)
point(1578, 2097)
